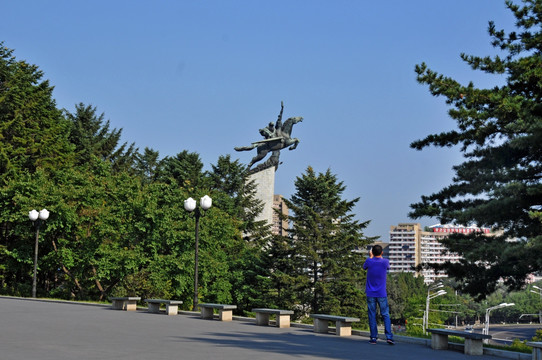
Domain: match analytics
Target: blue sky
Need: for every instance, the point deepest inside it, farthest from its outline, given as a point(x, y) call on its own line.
point(204, 76)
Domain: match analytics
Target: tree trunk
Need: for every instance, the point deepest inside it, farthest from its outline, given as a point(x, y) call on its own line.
point(67, 272)
point(98, 284)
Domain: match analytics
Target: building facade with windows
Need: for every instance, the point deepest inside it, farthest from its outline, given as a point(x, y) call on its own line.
point(279, 226)
point(411, 246)
point(433, 251)
point(404, 248)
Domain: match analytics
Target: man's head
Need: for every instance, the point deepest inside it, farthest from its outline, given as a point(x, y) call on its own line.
point(377, 250)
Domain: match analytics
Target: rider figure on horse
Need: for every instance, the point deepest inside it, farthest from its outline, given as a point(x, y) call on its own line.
point(276, 138)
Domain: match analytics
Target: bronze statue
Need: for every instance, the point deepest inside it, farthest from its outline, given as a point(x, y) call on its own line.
point(276, 138)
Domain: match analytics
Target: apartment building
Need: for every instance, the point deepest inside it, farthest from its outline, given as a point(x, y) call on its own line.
point(433, 251)
point(278, 227)
point(411, 246)
point(404, 247)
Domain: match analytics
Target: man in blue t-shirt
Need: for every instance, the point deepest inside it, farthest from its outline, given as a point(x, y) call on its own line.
point(377, 269)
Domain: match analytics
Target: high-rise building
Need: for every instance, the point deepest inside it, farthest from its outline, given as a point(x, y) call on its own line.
point(410, 246)
point(434, 251)
point(404, 248)
point(279, 226)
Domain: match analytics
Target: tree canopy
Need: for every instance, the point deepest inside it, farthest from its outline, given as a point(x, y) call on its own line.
point(319, 262)
point(117, 223)
point(92, 137)
point(33, 132)
point(499, 132)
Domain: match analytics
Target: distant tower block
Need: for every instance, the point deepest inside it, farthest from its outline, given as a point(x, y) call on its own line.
point(279, 226)
point(265, 189)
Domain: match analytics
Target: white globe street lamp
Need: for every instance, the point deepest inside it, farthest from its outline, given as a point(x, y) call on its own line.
point(539, 292)
point(431, 296)
point(488, 311)
point(36, 218)
point(190, 205)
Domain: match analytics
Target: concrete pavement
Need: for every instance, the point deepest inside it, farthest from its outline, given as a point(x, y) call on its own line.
point(46, 330)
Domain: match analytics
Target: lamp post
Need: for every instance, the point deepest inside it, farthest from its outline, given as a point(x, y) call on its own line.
point(539, 292)
point(488, 311)
point(37, 218)
point(428, 299)
point(190, 205)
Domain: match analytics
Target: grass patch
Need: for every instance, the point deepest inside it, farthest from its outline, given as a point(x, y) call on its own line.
point(517, 346)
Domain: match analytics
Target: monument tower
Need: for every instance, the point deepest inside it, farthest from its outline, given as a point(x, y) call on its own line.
point(276, 136)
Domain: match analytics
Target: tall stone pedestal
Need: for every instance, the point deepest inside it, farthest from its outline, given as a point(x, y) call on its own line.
point(265, 189)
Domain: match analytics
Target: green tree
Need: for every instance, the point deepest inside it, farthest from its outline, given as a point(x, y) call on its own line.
point(23, 192)
point(406, 295)
point(91, 241)
point(325, 238)
point(234, 194)
point(91, 237)
point(33, 132)
point(285, 279)
point(111, 232)
point(186, 169)
point(148, 164)
point(92, 137)
point(499, 183)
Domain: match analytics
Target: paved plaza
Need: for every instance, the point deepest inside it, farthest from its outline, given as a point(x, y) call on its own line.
point(45, 330)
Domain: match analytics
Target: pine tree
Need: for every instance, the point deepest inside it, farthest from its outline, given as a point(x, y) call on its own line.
point(33, 132)
point(237, 195)
point(325, 240)
point(500, 134)
point(148, 164)
point(185, 168)
point(234, 194)
point(93, 137)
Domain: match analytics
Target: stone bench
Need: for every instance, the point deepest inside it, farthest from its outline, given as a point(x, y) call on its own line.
point(128, 303)
point(172, 306)
point(473, 341)
point(537, 349)
point(343, 324)
point(282, 317)
point(225, 312)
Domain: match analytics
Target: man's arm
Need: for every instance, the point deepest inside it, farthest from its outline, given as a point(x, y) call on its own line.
point(278, 123)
